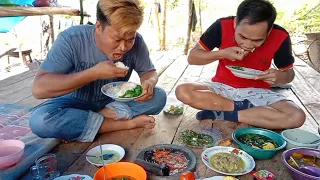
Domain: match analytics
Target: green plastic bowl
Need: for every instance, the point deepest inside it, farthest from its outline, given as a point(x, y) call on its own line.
point(260, 154)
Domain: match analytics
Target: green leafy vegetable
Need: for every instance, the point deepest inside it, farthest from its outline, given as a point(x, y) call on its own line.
point(132, 93)
point(257, 140)
point(175, 110)
point(237, 68)
point(192, 138)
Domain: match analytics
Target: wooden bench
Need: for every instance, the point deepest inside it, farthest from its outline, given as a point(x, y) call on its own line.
point(25, 53)
point(6, 53)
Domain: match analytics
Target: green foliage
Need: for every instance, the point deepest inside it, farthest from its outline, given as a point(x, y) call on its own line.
point(305, 19)
point(173, 4)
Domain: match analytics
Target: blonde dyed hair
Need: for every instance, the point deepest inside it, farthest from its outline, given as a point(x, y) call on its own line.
point(123, 15)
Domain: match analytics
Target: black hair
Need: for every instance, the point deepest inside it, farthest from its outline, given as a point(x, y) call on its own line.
point(104, 21)
point(256, 11)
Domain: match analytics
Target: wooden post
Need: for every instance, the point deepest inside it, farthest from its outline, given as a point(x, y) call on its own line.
point(186, 47)
point(164, 22)
point(81, 11)
point(200, 19)
point(156, 10)
point(38, 11)
point(19, 47)
point(51, 28)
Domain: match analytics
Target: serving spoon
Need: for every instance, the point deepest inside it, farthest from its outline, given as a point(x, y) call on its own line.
point(310, 170)
point(104, 156)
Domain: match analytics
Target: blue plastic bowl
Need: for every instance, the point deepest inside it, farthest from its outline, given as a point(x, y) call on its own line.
point(260, 154)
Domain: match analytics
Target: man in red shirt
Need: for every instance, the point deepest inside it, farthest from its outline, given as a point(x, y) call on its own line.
point(249, 40)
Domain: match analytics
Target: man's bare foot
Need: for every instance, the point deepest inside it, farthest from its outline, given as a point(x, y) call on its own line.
point(142, 121)
point(108, 113)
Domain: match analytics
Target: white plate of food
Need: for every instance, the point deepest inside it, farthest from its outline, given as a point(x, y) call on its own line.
point(117, 151)
point(122, 91)
point(228, 160)
point(244, 72)
point(221, 178)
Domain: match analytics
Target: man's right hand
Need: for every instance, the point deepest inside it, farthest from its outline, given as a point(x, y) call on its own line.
point(234, 53)
point(108, 70)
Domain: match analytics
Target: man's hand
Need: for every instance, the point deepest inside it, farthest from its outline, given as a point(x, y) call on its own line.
point(108, 70)
point(272, 76)
point(147, 92)
point(234, 53)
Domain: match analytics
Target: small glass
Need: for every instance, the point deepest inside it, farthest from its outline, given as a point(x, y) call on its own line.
point(46, 168)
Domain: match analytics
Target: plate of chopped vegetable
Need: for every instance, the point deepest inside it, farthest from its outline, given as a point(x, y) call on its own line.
point(202, 139)
point(244, 72)
point(122, 91)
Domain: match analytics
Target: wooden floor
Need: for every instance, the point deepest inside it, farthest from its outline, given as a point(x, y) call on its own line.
point(174, 70)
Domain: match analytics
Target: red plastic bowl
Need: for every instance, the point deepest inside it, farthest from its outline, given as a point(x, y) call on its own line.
point(11, 152)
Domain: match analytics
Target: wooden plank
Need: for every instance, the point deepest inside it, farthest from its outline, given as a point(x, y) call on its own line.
point(308, 73)
point(166, 127)
point(155, 56)
point(38, 11)
point(15, 87)
point(165, 61)
point(161, 65)
point(18, 96)
point(16, 79)
point(307, 94)
point(169, 78)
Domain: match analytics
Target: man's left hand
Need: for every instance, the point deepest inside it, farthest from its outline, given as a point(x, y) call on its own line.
point(147, 92)
point(271, 76)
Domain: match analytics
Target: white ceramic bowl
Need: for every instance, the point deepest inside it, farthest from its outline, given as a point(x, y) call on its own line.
point(299, 138)
point(11, 152)
point(105, 147)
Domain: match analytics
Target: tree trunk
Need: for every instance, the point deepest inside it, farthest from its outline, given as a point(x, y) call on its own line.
point(200, 21)
point(51, 29)
point(156, 10)
point(186, 47)
point(164, 22)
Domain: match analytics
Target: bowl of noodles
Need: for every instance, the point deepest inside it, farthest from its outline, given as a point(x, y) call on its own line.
point(121, 171)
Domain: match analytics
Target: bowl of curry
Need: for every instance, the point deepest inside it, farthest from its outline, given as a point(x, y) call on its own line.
point(228, 160)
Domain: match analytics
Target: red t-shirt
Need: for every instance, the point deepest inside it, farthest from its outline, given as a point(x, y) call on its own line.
point(277, 47)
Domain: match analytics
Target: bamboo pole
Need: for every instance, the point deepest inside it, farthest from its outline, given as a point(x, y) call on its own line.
point(38, 11)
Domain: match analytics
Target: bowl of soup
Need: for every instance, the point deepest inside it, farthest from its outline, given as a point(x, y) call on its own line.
point(259, 143)
point(303, 157)
point(121, 171)
point(116, 151)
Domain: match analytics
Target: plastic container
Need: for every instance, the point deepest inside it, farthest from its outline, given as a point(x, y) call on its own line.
point(260, 154)
point(121, 169)
point(300, 138)
point(11, 152)
point(295, 173)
